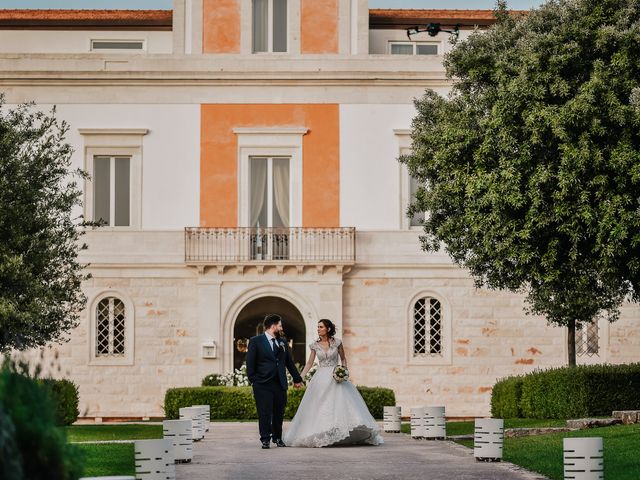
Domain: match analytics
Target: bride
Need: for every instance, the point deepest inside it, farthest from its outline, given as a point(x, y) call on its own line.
point(330, 413)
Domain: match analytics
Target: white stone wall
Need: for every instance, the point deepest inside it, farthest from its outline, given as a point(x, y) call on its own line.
point(170, 190)
point(79, 41)
point(178, 307)
point(166, 345)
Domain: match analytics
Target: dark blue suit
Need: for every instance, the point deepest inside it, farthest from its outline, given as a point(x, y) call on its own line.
point(266, 372)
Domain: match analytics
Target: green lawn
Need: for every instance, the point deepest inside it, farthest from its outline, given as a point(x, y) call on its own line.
point(91, 433)
point(543, 453)
point(104, 459)
point(107, 459)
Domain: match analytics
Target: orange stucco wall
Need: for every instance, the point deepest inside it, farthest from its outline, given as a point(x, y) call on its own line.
point(320, 159)
point(319, 26)
point(221, 26)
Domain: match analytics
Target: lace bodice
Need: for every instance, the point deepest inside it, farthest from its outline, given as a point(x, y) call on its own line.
point(327, 358)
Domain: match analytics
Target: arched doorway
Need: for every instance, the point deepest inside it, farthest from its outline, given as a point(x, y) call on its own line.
point(249, 323)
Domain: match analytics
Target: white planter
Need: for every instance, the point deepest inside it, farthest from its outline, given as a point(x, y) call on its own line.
point(488, 439)
point(154, 460)
point(391, 420)
point(434, 423)
point(206, 415)
point(194, 414)
point(179, 432)
point(417, 422)
point(583, 458)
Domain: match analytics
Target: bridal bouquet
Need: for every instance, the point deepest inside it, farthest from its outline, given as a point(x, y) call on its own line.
point(340, 373)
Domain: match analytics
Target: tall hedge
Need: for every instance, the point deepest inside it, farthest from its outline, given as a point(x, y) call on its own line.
point(238, 403)
point(589, 390)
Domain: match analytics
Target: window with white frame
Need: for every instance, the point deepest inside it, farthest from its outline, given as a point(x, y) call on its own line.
point(269, 26)
point(270, 188)
point(113, 192)
point(429, 330)
point(413, 48)
point(408, 185)
point(112, 329)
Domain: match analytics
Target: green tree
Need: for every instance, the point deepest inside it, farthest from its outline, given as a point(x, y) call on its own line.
point(40, 276)
point(532, 163)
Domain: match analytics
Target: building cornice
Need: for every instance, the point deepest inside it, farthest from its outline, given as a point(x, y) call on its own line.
point(239, 70)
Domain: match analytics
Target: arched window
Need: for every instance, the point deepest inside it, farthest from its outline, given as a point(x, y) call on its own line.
point(427, 328)
point(110, 328)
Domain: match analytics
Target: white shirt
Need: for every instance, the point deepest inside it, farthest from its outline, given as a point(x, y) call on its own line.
point(270, 337)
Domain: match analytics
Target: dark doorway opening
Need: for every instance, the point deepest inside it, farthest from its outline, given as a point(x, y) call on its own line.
point(249, 323)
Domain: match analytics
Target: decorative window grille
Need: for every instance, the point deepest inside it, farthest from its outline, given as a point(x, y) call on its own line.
point(587, 339)
point(427, 328)
point(110, 328)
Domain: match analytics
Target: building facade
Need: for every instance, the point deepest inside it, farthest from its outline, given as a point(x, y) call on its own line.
point(243, 158)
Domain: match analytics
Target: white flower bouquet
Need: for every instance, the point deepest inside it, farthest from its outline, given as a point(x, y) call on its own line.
point(340, 374)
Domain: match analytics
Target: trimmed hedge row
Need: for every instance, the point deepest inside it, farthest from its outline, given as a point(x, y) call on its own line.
point(237, 402)
point(583, 391)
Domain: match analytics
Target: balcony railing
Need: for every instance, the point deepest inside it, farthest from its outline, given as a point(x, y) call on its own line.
point(269, 245)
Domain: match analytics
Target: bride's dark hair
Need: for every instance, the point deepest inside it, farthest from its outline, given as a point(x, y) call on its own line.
point(331, 328)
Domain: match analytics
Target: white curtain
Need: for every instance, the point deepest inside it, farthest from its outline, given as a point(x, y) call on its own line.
point(258, 184)
point(281, 188)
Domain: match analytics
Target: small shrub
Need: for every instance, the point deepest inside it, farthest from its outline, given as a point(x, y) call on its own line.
point(65, 398)
point(376, 398)
point(505, 398)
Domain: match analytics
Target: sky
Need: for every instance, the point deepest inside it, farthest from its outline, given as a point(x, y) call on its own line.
point(166, 4)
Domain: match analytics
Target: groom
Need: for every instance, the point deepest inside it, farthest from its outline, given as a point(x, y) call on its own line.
point(266, 360)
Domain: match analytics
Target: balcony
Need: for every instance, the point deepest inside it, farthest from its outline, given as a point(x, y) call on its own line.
point(260, 246)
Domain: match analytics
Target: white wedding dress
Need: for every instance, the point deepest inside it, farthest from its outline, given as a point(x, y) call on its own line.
point(331, 413)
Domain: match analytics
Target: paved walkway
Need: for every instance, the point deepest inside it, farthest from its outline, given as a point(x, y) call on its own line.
point(232, 451)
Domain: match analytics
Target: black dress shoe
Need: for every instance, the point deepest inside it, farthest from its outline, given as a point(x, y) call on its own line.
point(265, 444)
point(279, 443)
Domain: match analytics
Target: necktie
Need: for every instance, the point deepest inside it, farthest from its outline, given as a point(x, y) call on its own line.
point(276, 349)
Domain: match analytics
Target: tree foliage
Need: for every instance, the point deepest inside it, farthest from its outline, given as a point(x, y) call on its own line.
point(532, 162)
point(40, 276)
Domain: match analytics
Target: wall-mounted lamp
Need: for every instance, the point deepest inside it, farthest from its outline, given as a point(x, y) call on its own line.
point(433, 29)
point(209, 349)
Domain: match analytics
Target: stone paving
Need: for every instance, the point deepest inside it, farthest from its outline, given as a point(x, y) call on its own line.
point(232, 451)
